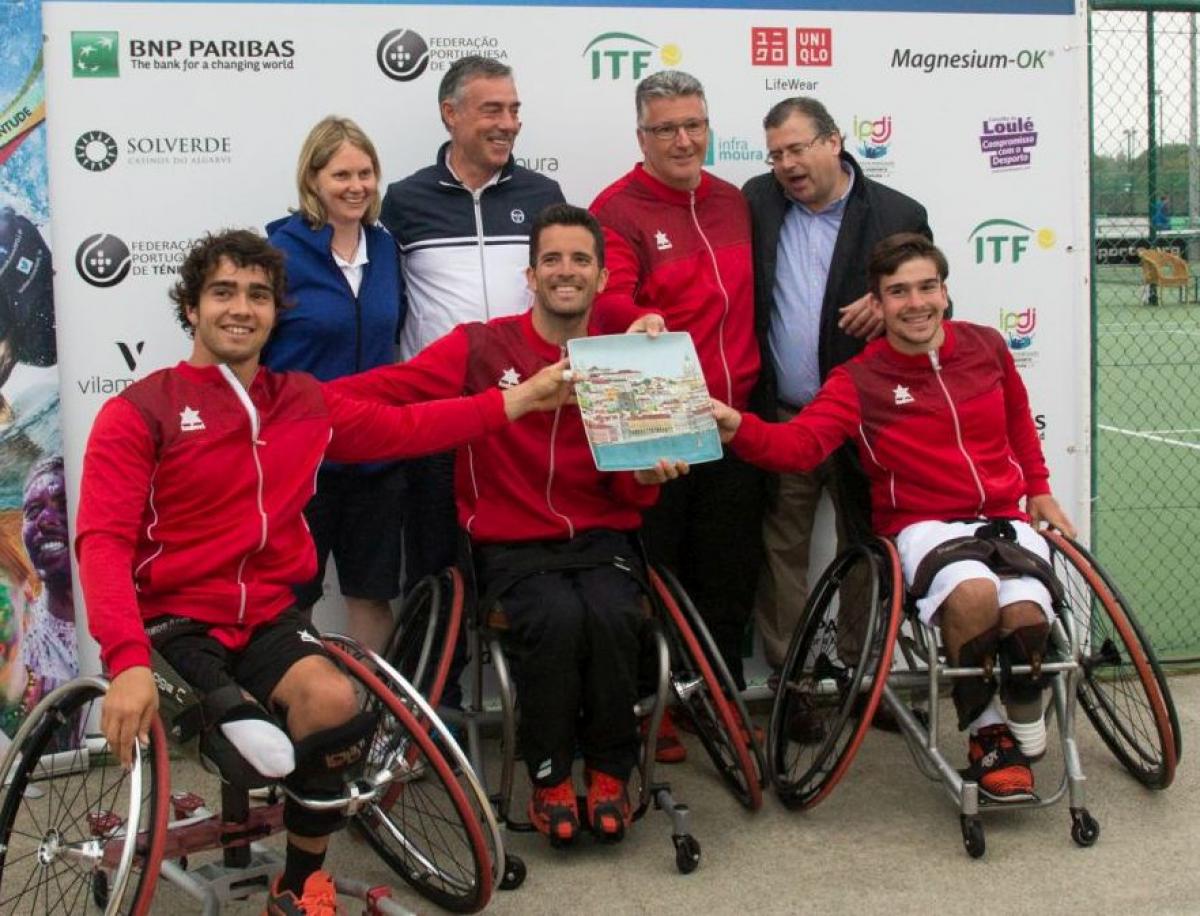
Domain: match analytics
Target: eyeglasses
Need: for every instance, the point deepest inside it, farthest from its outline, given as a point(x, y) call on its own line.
point(695, 129)
point(795, 151)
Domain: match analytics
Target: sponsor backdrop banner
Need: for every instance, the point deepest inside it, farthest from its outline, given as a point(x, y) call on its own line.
point(169, 119)
point(37, 614)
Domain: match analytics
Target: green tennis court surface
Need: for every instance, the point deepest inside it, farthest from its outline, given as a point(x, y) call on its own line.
point(1147, 509)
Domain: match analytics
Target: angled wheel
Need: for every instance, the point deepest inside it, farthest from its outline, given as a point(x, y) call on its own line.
point(1122, 689)
point(835, 672)
point(707, 694)
point(76, 829)
point(422, 645)
point(429, 825)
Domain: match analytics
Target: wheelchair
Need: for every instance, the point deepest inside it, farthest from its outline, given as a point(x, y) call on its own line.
point(77, 830)
point(840, 668)
point(691, 676)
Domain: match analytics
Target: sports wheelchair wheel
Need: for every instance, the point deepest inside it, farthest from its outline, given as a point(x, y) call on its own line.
point(422, 644)
point(1122, 689)
point(825, 702)
point(707, 694)
point(428, 826)
point(76, 829)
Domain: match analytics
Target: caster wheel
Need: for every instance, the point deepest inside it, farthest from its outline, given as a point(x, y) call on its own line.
point(1085, 829)
point(183, 862)
point(687, 854)
point(100, 888)
point(514, 873)
point(972, 834)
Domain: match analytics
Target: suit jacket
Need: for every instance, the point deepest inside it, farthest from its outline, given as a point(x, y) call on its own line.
point(873, 212)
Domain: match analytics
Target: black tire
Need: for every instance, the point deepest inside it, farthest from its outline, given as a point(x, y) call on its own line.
point(687, 854)
point(972, 835)
point(707, 694)
point(61, 795)
point(1085, 829)
point(413, 647)
point(425, 827)
point(1123, 690)
point(824, 704)
point(514, 873)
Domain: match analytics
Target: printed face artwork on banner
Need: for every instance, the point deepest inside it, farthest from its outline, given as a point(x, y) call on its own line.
point(38, 650)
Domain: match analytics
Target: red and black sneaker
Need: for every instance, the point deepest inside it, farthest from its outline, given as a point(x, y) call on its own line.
point(318, 898)
point(608, 808)
point(998, 765)
point(667, 746)
point(554, 812)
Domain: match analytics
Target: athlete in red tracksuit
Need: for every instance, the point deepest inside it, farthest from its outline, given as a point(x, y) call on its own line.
point(530, 497)
point(679, 245)
point(942, 424)
point(191, 537)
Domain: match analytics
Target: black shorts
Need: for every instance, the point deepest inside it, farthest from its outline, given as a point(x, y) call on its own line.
point(357, 518)
point(258, 668)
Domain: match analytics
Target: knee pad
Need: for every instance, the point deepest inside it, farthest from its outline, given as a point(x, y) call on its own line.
point(263, 753)
point(1024, 646)
point(972, 695)
point(325, 761)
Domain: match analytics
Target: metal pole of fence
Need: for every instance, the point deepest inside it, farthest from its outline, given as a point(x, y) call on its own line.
point(1151, 145)
point(1193, 149)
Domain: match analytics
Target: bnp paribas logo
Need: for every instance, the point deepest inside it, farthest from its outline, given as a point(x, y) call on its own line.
point(94, 54)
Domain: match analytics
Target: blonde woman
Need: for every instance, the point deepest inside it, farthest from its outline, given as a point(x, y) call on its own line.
point(343, 276)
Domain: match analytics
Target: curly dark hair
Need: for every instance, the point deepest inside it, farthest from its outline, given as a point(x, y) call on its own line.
point(893, 252)
point(243, 248)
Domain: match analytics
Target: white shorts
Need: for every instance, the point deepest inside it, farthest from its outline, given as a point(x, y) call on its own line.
point(915, 541)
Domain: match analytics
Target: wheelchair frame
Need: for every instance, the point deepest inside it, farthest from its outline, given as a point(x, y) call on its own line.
point(167, 830)
point(1085, 657)
point(704, 689)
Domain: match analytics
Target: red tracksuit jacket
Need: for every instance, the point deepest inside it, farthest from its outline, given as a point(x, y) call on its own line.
point(685, 255)
point(943, 435)
point(533, 480)
point(193, 490)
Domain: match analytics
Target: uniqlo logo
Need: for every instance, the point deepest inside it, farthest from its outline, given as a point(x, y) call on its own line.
point(814, 47)
point(769, 47)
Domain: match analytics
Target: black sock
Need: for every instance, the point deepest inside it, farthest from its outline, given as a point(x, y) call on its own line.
point(298, 865)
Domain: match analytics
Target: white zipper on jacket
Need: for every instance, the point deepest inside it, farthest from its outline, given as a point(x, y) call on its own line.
point(477, 203)
point(870, 451)
point(550, 474)
point(149, 532)
point(937, 373)
point(721, 284)
point(244, 397)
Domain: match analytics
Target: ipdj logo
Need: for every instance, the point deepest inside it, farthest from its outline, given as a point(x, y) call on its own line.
point(1005, 241)
point(402, 55)
point(620, 55)
point(95, 54)
point(130, 352)
point(96, 151)
point(874, 136)
point(1018, 327)
point(103, 260)
point(770, 47)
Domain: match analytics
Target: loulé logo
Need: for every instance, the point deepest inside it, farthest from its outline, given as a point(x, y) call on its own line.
point(96, 150)
point(103, 260)
point(402, 55)
point(94, 54)
point(620, 55)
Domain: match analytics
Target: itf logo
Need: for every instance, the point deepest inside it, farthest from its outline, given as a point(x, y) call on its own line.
point(620, 55)
point(1005, 241)
point(94, 54)
point(769, 47)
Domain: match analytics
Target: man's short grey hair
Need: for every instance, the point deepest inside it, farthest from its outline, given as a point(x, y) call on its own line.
point(804, 105)
point(666, 84)
point(465, 69)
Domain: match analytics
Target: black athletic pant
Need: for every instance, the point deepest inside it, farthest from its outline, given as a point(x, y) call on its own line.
point(707, 529)
point(572, 642)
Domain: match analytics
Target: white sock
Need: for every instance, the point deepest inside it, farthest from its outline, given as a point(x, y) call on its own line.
point(993, 714)
point(263, 744)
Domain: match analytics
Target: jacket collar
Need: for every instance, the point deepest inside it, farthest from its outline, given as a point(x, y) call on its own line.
point(880, 347)
point(446, 176)
point(666, 192)
point(542, 347)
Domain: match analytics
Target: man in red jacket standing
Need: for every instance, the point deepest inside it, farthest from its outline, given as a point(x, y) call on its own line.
point(679, 245)
point(532, 501)
point(191, 536)
point(941, 420)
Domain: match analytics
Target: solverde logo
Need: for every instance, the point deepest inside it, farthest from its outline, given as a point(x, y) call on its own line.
point(94, 54)
point(620, 55)
point(1005, 241)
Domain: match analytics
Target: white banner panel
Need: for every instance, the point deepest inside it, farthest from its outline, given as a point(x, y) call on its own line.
point(169, 119)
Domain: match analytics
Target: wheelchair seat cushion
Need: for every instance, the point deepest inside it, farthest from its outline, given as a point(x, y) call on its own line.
point(993, 544)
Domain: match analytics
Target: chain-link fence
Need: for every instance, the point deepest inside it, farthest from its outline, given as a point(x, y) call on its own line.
point(1146, 313)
